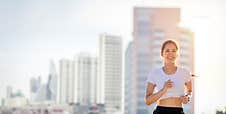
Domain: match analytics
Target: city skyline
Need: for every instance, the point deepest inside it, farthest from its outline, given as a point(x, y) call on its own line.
point(33, 33)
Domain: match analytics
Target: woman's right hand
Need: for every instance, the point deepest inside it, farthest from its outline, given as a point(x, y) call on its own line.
point(168, 84)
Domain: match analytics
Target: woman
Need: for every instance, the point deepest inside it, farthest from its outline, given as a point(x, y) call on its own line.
point(173, 84)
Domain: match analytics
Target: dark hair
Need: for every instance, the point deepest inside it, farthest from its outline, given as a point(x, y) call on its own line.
point(168, 42)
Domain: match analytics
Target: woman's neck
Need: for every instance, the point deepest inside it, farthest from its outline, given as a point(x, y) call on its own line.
point(170, 68)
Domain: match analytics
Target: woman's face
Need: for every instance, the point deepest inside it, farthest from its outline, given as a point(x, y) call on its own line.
point(170, 53)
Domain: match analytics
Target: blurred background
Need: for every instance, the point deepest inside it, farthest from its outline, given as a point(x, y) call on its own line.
point(93, 56)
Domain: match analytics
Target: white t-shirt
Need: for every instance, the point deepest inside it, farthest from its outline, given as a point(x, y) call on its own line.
point(159, 77)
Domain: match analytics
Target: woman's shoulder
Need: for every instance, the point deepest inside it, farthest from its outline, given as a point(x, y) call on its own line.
point(153, 74)
point(184, 70)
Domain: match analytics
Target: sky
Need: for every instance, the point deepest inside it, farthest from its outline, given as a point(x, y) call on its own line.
point(33, 32)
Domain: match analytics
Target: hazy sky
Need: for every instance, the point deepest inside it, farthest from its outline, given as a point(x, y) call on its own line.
point(32, 32)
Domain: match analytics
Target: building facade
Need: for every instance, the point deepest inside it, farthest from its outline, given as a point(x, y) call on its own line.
point(110, 72)
point(86, 79)
point(66, 82)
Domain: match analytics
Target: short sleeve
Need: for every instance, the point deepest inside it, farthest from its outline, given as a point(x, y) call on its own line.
point(187, 76)
point(151, 78)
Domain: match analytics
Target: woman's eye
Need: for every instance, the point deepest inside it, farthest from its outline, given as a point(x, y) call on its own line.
point(171, 51)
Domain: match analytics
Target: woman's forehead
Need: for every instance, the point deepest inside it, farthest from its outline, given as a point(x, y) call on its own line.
point(170, 45)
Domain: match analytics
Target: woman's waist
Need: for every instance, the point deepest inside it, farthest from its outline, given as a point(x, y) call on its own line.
point(177, 110)
point(170, 102)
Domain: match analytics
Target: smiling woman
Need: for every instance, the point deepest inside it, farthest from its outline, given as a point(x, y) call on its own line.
point(170, 81)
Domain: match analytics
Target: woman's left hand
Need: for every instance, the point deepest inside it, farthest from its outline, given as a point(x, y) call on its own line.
point(184, 99)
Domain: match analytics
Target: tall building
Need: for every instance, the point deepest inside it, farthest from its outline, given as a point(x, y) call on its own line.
point(86, 79)
point(66, 82)
point(41, 95)
point(44, 93)
point(35, 84)
point(186, 42)
point(52, 82)
point(128, 81)
point(2, 102)
point(78, 80)
point(110, 56)
point(9, 92)
point(152, 26)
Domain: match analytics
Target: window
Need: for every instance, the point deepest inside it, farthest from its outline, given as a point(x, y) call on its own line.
point(159, 33)
point(143, 55)
point(142, 72)
point(142, 33)
point(143, 63)
point(143, 25)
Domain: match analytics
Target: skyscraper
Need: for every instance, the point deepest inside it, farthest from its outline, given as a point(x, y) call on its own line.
point(186, 42)
point(110, 72)
point(41, 95)
point(85, 79)
point(9, 91)
point(129, 85)
point(78, 80)
point(52, 82)
point(35, 85)
point(152, 26)
point(66, 82)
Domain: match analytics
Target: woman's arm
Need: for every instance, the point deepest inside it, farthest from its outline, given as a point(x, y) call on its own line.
point(188, 89)
point(150, 97)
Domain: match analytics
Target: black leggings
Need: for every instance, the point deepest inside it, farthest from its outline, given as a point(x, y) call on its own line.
point(168, 110)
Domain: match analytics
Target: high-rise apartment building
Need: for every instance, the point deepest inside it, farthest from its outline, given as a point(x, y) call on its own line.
point(78, 80)
point(86, 79)
point(129, 85)
point(66, 82)
point(110, 73)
